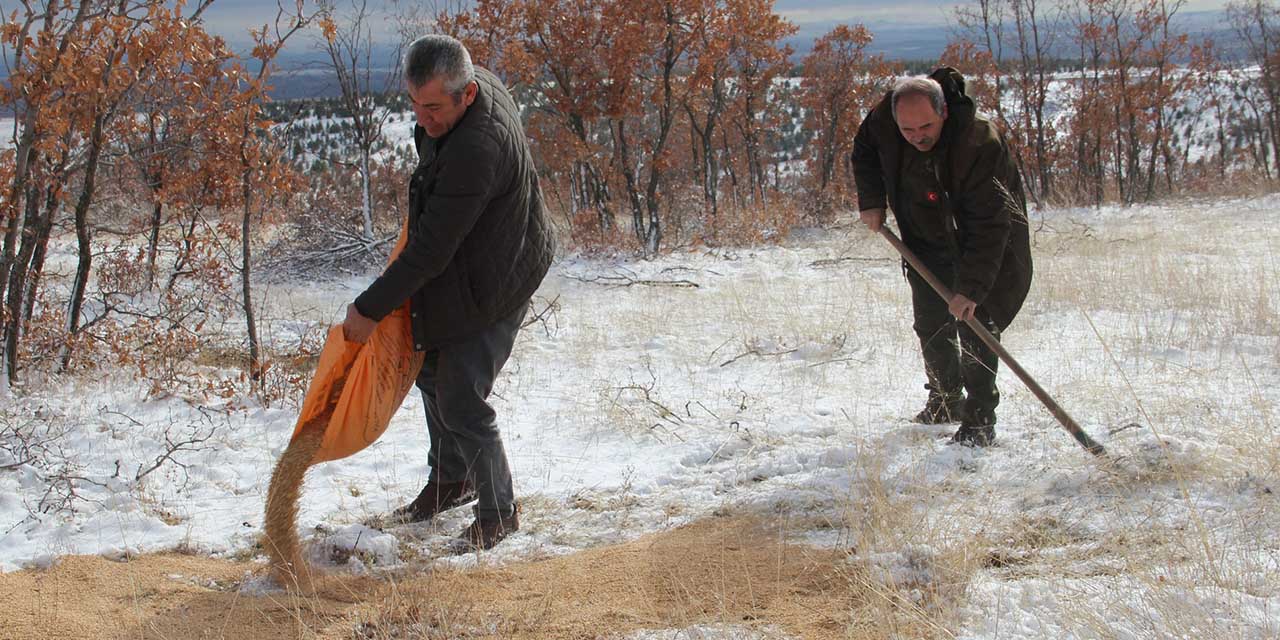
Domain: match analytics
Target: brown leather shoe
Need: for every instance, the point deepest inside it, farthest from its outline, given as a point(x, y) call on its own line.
point(485, 533)
point(434, 498)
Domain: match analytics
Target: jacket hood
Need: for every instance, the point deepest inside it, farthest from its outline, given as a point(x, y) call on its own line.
point(960, 107)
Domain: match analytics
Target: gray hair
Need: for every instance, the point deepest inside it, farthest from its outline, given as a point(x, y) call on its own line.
point(438, 56)
point(919, 86)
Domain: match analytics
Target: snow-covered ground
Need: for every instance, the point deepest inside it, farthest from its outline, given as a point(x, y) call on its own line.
point(781, 384)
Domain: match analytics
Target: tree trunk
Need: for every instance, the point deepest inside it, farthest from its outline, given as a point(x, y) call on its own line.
point(729, 168)
point(829, 145)
point(666, 115)
point(695, 147)
point(246, 288)
point(153, 243)
point(155, 181)
point(599, 194)
point(84, 238)
point(708, 167)
point(623, 160)
point(17, 285)
point(26, 156)
point(41, 252)
point(184, 252)
point(366, 202)
point(1155, 153)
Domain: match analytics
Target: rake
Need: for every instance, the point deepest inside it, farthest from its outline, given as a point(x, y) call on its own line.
point(1058, 412)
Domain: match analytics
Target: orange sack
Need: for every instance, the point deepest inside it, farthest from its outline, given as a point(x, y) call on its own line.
point(375, 377)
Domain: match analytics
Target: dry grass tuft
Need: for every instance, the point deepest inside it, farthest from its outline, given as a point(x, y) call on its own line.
point(915, 567)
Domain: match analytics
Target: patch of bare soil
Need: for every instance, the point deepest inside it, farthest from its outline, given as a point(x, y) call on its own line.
point(723, 570)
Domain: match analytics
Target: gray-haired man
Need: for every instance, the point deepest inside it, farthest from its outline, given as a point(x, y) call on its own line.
point(955, 190)
point(479, 245)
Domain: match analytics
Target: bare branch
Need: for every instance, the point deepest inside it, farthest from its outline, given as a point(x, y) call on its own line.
point(172, 448)
point(831, 262)
point(15, 465)
point(757, 352)
point(549, 311)
point(628, 281)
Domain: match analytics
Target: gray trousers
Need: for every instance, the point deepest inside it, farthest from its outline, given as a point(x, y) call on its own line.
point(455, 382)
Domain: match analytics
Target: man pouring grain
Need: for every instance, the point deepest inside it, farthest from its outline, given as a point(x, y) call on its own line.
point(478, 247)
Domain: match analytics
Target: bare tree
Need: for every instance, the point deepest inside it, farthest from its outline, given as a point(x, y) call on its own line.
point(1018, 37)
point(1257, 22)
point(1036, 27)
point(349, 44)
point(259, 163)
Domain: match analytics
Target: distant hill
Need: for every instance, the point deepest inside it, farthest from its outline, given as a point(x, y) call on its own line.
point(898, 41)
point(895, 41)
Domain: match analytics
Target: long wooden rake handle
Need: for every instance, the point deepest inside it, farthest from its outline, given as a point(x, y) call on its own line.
point(1058, 412)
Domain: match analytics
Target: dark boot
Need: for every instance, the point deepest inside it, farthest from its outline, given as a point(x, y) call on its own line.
point(485, 533)
point(978, 429)
point(434, 498)
point(941, 408)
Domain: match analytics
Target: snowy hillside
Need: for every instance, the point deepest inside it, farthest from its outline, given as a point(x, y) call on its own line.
point(316, 131)
point(774, 383)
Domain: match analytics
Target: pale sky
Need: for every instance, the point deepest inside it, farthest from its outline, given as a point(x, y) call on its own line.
point(232, 18)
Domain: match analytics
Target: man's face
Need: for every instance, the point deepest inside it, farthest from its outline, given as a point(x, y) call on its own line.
point(918, 122)
point(436, 110)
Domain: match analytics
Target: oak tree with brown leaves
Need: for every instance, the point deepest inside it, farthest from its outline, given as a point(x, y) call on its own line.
point(842, 82)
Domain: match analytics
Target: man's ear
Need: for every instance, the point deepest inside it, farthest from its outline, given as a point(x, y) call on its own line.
point(469, 92)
